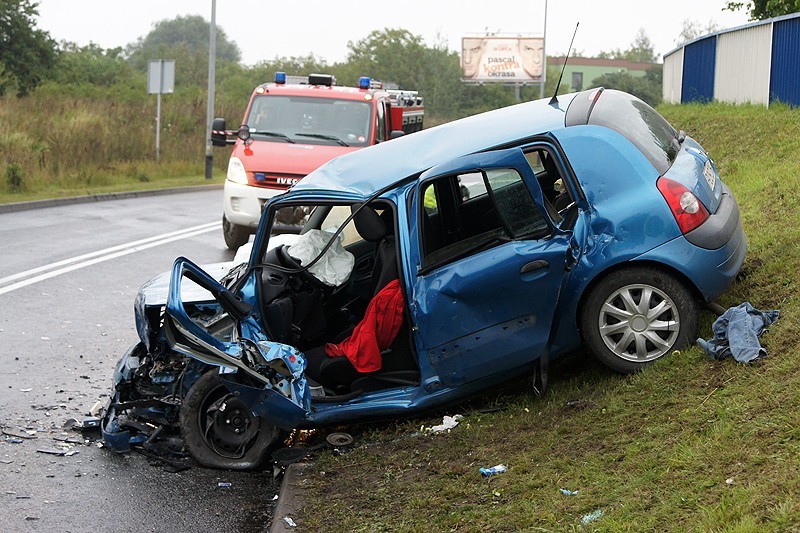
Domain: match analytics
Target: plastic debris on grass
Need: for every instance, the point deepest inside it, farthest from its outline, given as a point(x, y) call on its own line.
point(448, 423)
point(289, 521)
point(591, 517)
point(567, 492)
point(489, 472)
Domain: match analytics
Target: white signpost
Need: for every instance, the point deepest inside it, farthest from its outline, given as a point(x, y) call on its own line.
point(160, 80)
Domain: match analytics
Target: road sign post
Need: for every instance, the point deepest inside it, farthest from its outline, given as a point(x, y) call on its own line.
point(160, 80)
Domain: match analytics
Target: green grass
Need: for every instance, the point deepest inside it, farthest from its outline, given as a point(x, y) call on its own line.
point(113, 183)
point(56, 144)
point(688, 444)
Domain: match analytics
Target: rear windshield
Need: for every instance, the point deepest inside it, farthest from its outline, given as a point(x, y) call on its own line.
point(640, 124)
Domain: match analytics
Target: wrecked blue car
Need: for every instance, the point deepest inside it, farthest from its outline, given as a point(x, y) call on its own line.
point(431, 267)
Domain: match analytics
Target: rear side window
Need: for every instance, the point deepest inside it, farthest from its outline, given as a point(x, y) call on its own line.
point(637, 121)
point(467, 213)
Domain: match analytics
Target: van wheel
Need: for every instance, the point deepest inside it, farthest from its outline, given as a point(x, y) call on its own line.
point(635, 316)
point(235, 235)
point(220, 431)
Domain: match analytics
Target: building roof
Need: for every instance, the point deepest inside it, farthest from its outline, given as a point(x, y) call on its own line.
point(601, 62)
point(737, 28)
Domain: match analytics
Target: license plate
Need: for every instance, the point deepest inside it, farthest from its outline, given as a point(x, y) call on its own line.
point(710, 175)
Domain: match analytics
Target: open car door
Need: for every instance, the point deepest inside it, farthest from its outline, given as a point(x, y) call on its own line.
point(490, 267)
point(269, 377)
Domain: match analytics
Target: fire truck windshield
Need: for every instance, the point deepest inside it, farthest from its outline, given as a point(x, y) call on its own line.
point(310, 120)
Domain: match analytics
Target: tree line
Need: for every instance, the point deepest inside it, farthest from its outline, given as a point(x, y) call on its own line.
point(30, 58)
point(33, 60)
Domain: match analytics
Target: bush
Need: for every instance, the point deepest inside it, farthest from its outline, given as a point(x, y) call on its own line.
point(14, 177)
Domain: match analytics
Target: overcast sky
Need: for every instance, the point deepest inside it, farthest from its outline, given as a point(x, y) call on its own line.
point(265, 30)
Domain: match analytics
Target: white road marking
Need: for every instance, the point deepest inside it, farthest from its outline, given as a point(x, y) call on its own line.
point(74, 263)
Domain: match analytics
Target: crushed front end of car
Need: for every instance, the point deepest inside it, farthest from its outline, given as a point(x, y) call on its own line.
point(194, 349)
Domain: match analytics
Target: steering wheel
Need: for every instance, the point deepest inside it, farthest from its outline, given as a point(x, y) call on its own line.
point(290, 262)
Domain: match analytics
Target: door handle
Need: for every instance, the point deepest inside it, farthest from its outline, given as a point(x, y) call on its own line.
point(533, 266)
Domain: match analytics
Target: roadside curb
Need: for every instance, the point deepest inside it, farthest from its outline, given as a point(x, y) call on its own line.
point(53, 202)
point(289, 500)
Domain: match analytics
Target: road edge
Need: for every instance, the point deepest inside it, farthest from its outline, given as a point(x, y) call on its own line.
point(290, 498)
point(70, 200)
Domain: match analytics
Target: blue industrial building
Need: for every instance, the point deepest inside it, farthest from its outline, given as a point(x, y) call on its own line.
point(758, 63)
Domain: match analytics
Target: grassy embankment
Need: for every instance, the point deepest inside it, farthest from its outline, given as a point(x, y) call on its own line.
point(57, 145)
point(688, 444)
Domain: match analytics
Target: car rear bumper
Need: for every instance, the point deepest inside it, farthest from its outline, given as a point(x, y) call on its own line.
point(720, 227)
point(711, 270)
point(242, 204)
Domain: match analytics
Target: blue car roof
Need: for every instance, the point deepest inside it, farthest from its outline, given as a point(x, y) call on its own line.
point(364, 172)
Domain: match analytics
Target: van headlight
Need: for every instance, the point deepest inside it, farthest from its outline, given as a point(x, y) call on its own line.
point(236, 171)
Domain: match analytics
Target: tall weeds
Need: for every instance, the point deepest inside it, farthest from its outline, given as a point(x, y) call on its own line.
point(60, 140)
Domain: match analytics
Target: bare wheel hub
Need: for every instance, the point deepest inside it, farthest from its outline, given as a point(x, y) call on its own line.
point(229, 426)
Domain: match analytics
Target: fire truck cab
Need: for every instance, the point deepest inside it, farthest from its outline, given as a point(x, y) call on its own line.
point(293, 126)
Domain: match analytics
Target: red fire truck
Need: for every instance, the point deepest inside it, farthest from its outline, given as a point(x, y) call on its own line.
point(293, 126)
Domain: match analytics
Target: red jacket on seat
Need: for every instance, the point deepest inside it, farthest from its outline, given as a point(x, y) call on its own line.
point(376, 331)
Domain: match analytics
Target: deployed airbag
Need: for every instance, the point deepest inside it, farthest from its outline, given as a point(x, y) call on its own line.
point(334, 267)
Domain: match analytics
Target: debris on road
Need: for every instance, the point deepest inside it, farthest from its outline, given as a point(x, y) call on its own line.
point(224, 484)
point(58, 451)
point(289, 521)
point(87, 423)
point(19, 435)
point(69, 440)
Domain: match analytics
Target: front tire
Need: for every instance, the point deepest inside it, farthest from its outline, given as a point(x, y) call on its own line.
point(220, 431)
point(235, 235)
point(636, 316)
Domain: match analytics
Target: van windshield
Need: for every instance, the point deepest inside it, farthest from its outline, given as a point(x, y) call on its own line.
point(310, 120)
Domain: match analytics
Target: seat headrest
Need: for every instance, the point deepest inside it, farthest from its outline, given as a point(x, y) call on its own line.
point(550, 165)
point(369, 223)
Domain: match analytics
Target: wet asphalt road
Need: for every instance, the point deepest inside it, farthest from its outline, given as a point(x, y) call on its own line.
point(60, 337)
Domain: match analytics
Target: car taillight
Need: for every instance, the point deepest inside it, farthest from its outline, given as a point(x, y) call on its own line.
point(686, 208)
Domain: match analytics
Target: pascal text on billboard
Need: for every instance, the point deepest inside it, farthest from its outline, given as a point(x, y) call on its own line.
point(502, 59)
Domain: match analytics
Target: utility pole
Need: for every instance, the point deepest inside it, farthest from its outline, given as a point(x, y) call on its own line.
point(544, 52)
point(212, 54)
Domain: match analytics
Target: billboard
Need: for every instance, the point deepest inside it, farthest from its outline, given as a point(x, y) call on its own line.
point(502, 59)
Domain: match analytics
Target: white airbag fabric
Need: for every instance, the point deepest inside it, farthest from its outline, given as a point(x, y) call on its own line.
point(335, 266)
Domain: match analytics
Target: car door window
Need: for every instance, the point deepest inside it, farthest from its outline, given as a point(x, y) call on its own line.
point(514, 204)
point(557, 197)
point(470, 212)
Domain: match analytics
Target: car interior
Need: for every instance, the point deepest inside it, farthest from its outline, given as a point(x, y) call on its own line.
point(302, 311)
point(461, 215)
